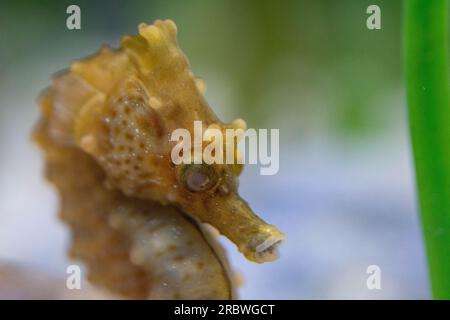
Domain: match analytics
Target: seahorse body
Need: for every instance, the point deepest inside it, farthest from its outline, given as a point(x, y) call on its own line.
point(135, 215)
point(135, 248)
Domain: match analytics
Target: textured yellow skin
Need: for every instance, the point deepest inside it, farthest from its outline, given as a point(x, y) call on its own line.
point(135, 248)
point(108, 119)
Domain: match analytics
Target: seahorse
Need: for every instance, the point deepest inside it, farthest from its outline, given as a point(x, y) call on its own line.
point(138, 221)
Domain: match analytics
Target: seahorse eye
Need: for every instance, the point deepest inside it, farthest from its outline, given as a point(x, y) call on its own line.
point(198, 177)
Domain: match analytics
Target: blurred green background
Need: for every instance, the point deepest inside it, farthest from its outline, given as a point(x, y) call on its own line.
point(293, 51)
point(344, 194)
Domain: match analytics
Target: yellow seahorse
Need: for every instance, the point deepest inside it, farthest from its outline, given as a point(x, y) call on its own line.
point(136, 217)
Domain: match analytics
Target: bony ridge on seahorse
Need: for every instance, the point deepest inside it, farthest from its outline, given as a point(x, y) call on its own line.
point(120, 107)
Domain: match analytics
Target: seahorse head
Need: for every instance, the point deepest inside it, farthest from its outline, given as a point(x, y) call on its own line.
point(146, 91)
